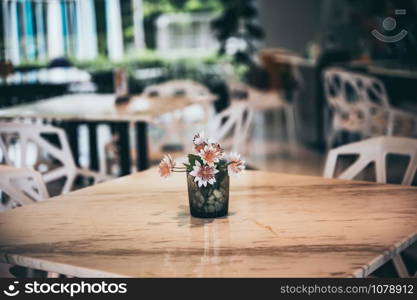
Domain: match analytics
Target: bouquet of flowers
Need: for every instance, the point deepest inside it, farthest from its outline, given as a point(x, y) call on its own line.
point(208, 171)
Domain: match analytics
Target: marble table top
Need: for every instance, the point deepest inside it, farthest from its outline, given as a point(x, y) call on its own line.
point(278, 226)
point(99, 107)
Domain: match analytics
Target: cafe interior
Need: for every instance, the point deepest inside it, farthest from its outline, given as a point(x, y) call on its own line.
point(313, 103)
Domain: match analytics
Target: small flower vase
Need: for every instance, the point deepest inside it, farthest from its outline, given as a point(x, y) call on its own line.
point(211, 201)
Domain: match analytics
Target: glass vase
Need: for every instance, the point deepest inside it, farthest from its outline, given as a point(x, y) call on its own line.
point(211, 201)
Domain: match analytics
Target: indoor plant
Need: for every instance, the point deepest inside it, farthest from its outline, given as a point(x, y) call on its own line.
point(208, 173)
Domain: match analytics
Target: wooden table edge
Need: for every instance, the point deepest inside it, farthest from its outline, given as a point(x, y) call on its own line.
point(49, 266)
point(386, 256)
point(76, 271)
point(82, 272)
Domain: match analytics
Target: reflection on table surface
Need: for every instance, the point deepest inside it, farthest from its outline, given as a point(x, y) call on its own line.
point(278, 225)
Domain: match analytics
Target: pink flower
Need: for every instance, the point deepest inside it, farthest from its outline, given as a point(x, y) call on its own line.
point(236, 165)
point(199, 142)
point(204, 174)
point(166, 166)
point(211, 154)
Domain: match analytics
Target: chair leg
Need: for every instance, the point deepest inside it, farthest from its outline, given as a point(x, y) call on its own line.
point(415, 128)
point(331, 138)
point(330, 165)
point(5, 271)
point(290, 120)
point(332, 132)
point(52, 275)
point(381, 170)
point(400, 266)
point(411, 170)
point(391, 124)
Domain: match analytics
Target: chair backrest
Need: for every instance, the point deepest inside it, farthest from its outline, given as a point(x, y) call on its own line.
point(374, 150)
point(22, 186)
point(233, 123)
point(19, 136)
point(178, 88)
point(359, 99)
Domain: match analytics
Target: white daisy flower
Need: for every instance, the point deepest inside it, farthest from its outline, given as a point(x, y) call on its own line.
point(199, 142)
point(236, 164)
point(211, 154)
point(204, 174)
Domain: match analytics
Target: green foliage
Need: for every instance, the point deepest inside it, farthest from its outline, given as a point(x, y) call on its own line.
point(190, 66)
point(30, 65)
point(192, 158)
point(238, 20)
point(100, 63)
point(222, 166)
point(152, 7)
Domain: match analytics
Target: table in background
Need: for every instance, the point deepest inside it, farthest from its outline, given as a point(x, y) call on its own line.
point(70, 111)
point(278, 226)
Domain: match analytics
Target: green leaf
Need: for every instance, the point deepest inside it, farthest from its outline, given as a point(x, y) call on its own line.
point(188, 167)
point(192, 158)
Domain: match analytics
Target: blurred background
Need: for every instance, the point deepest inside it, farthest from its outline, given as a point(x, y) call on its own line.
point(280, 81)
point(95, 89)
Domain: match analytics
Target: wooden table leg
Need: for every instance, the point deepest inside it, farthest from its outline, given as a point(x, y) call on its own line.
point(93, 142)
point(122, 130)
point(142, 162)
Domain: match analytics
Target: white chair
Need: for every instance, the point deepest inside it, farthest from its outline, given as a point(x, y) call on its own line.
point(273, 100)
point(375, 150)
point(18, 137)
point(270, 100)
point(22, 186)
point(173, 124)
point(360, 104)
point(231, 126)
